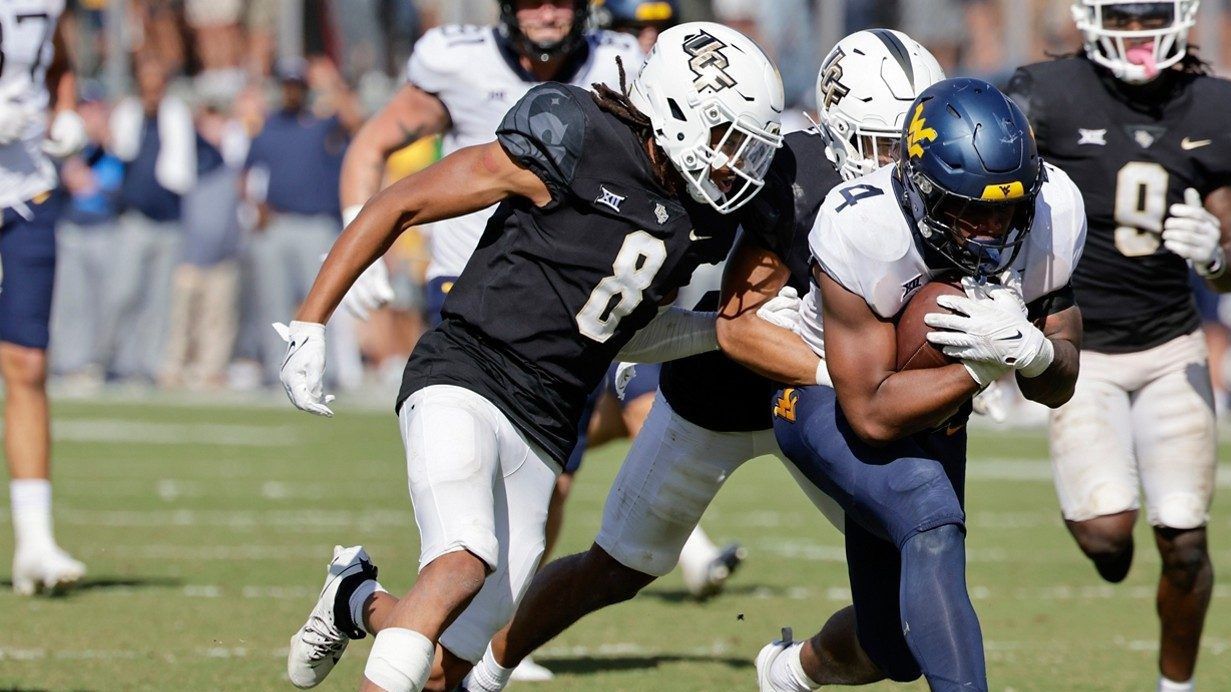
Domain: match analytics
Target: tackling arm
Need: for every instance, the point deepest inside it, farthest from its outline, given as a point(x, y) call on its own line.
point(61, 80)
point(1055, 385)
point(881, 404)
point(753, 276)
point(411, 114)
point(467, 180)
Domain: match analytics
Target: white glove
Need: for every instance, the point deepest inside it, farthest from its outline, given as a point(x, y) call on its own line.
point(371, 291)
point(625, 372)
point(1195, 234)
point(66, 136)
point(782, 310)
point(304, 366)
point(991, 401)
point(14, 119)
point(990, 331)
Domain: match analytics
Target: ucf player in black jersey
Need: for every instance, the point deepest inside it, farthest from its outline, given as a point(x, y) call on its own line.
point(608, 203)
point(1139, 125)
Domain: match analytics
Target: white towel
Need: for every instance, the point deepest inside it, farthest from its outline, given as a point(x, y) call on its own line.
point(176, 167)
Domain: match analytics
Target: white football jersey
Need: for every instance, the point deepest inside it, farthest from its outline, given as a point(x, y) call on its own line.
point(863, 239)
point(26, 49)
point(478, 78)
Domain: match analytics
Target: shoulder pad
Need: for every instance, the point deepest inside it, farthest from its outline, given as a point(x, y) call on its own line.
point(617, 42)
point(1057, 238)
point(436, 58)
point(546, 131)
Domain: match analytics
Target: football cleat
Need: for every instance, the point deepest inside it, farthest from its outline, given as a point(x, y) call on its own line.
point(319, 644)
point(49, 570)
point(768, 654)
point(711, 581)
point(529, 671)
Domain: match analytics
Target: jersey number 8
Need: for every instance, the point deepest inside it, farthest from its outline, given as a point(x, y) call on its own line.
point(1141, 203)
point(634, 269)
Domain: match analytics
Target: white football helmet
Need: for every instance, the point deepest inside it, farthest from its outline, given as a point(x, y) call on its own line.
point(715, 102)
point(1135, 55)
point(863, 91)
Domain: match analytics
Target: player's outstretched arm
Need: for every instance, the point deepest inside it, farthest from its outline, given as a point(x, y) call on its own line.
point(881, 404)
point(1054, 387)
point(465, 181)
point(411, 114)
point(753, 276)
point(1218, 203)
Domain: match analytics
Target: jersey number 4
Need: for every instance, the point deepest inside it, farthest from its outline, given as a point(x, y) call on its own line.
point(634, 269)
point(1141, 203)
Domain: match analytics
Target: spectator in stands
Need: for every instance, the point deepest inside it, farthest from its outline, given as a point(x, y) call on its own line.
point(205, 291)
point(86, 246)
point(154, 135)
point(291, 178)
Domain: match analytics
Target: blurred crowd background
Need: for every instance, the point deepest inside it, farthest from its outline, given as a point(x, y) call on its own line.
point(187, 234)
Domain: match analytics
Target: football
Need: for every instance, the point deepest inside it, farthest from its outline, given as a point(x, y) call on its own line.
point(915, 352)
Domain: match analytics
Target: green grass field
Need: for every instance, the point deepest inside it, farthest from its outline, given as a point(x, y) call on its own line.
point(207, 528)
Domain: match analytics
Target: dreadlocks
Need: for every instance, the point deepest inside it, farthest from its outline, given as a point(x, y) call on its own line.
point(618, 104)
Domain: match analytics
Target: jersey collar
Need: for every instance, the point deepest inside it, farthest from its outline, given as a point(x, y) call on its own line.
point(570, 69)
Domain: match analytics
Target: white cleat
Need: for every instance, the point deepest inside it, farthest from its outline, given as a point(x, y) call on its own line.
point(49, 570)
point(713, 578)
point(529, 671)
point(765, 660)
point(319, 644)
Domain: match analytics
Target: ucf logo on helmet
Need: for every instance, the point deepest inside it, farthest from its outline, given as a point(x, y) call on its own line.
point(831, 80)
point(708, 63)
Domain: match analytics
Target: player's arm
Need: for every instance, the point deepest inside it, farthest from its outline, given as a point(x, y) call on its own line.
point(753, 276)
point(410, 115)
point(466, 181)
point(66, 134)
point(1218, 203)
point(1054, 387)
point(880, 403)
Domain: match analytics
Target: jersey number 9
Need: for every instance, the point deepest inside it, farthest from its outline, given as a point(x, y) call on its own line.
point(1141, 203)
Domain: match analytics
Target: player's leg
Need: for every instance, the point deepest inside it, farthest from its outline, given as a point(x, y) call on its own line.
point(1094, 465)
point(28, 255)
point(672, 472)
point(1174, 428)
point(908, 494)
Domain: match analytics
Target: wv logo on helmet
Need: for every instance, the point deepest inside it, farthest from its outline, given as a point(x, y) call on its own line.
point(918, 133)
point(708, 63)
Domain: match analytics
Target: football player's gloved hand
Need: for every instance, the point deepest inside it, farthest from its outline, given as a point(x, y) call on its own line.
point(1195, 234)
point(371, 291)
point(66, 136)
point(782, 310)
point(304, 367)
point(992, 331)
point(625, 372)
point(991, 401)
point(14, 119)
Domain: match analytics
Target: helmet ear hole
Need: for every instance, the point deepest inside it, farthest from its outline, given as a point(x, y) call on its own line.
point(676, 111)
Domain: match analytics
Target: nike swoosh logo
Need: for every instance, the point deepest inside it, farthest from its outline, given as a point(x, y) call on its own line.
point(692, 235)
point(1186, 144)
point(290, 351)
point(1015, 337)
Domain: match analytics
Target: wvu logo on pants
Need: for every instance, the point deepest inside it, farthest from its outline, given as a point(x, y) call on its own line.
point(784, 407)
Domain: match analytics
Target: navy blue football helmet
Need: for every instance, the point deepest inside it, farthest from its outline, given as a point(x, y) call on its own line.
point(624, 15)
point(544, 51)
point(970, 173)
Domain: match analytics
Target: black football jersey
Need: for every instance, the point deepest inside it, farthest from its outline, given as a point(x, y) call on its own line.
point(1132, 151)
point(552, 293)
point(711, 390)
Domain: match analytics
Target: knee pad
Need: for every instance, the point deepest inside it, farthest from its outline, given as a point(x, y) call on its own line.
point(925, 500)
point(1180, 511)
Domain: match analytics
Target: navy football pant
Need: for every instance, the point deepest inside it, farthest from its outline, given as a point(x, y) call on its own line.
point(904, 537)
point(28, 258)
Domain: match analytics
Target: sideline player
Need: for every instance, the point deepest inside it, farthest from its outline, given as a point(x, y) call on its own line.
point(714, 412)
point(603, 195)
point(34, 75)
point(969, 198)
point(1137, 122)
point(460, 81)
